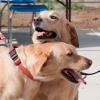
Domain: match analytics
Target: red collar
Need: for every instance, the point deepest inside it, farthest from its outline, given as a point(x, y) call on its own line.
point(17, 61)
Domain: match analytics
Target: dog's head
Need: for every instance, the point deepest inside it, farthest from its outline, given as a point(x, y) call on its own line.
point(54, 60)
point(53, 26)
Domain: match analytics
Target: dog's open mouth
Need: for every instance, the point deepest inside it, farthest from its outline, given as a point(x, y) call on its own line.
point(72, 76)
point(43, 34)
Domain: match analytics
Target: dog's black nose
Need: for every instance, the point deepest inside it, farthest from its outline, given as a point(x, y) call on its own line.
point(89, 62)
point(37, 20)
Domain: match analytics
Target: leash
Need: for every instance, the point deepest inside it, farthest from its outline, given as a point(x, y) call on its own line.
point(89, 74)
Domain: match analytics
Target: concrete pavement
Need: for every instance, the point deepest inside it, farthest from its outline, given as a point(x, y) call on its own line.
point(89, 47)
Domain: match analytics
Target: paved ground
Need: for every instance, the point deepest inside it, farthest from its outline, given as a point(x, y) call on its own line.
point(89, 47)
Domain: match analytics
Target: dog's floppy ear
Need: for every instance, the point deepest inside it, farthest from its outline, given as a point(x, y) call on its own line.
point(73, 34)
point(41, 60)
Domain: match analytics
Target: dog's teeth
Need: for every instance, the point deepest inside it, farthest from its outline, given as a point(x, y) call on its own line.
point(49, 34)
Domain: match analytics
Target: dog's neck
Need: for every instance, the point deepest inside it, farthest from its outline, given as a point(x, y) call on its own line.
point(56, 89)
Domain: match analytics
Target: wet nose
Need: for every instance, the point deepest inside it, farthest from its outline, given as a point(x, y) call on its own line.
point(37, 20)
point(89, 62)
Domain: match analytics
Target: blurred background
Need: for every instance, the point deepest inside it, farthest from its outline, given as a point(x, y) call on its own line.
point(85, 14)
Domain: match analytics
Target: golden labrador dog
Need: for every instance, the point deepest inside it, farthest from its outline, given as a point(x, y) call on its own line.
point(52, 64)
point(53, 26)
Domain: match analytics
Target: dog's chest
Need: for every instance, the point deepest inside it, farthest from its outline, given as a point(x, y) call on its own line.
point(58, 90)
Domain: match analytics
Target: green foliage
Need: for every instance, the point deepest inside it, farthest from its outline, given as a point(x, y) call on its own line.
point(77, 6)
point(54, 4)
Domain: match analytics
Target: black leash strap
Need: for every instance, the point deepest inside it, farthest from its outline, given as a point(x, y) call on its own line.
point(88, 74)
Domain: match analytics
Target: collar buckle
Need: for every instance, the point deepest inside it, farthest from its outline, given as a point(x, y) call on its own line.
point(14, 56)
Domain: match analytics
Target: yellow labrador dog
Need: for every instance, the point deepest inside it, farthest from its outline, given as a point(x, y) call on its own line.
point(53, 26)
point(56, 65)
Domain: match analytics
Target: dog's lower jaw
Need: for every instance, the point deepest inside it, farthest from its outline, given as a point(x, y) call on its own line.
point(35, 40)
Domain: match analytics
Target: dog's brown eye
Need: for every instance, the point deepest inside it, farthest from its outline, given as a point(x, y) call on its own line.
point(53, 17)
point(69, 54)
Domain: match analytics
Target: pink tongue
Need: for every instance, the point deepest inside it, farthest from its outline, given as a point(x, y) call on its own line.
point(41, 33)
point(79, 79)
point(82, 80)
